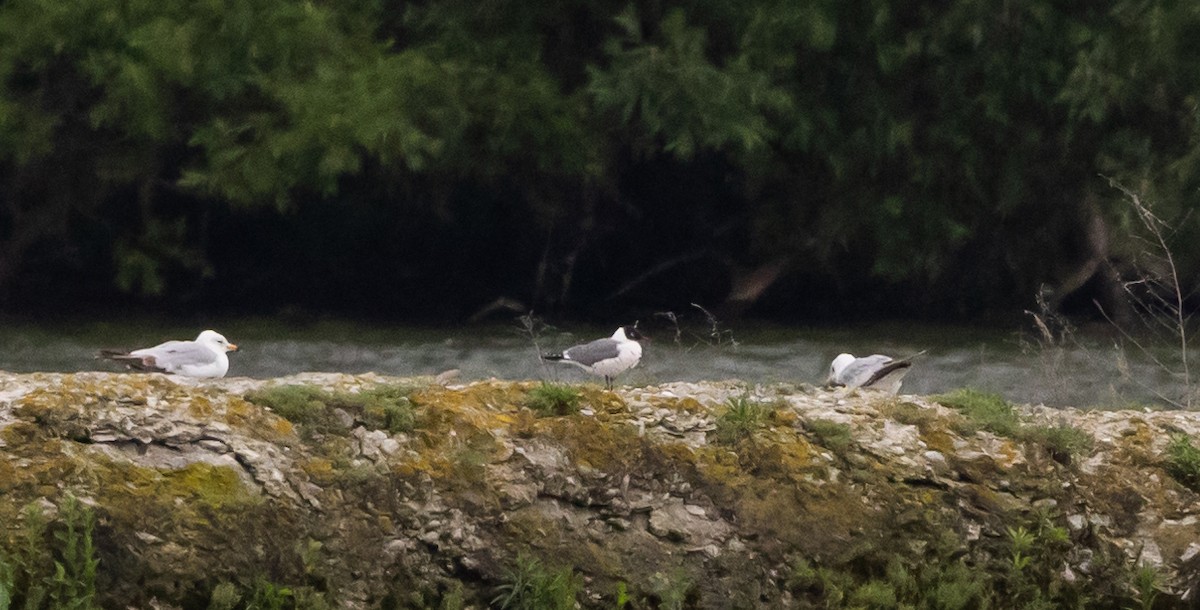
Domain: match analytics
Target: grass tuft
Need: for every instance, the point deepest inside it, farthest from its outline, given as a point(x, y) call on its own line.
point(983, 410)
point(1063, 442)
point(553, 399)
point(1183, 461)
point(533, 586)
point(741, 419)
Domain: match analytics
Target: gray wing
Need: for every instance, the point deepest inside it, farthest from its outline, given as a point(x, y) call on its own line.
point(174, 354)
point(591, 353)
point(864, 371)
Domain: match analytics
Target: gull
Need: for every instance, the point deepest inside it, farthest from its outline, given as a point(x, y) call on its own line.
point(204, 357)
point(606, 357)
point(875, 372)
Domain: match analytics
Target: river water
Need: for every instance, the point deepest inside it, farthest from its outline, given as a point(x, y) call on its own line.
point(1090, 372)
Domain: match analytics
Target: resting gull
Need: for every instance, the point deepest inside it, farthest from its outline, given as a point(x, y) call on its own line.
point(606, 357)
point(876, 372)
point(204, 357)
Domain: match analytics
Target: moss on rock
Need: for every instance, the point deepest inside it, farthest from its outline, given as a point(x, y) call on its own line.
point(364, 491)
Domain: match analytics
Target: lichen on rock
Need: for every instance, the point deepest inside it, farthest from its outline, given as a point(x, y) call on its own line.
point(367, 491)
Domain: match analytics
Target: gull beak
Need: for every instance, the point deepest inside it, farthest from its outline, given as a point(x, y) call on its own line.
point(231, 348)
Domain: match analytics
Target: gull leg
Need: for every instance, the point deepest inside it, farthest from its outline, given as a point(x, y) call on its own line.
point(608, 383)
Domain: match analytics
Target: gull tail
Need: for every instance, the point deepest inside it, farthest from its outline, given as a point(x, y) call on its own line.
point(888, 369)
point(553, 357)
point(137, 363)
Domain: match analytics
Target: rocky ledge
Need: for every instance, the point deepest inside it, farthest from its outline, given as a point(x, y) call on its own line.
point(327, 490)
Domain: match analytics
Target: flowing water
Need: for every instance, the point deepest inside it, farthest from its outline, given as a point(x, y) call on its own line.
point(1090, 372)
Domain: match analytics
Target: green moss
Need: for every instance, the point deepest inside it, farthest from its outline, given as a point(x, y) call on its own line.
point(832, 434)
point(300, 404)
point(611, 447)
point(910, 414)
point(982, 410)
point(553, 399)
point(386, 407)
point(197, 496)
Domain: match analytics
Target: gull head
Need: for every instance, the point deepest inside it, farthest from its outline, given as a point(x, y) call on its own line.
point(631, 333)
point(839, 364)
point(216, 340)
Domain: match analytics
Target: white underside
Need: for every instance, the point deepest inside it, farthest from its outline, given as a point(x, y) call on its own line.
point(209, 370)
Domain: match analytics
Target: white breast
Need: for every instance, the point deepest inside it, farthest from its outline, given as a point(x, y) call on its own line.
point(214, 369)
point(628, 355)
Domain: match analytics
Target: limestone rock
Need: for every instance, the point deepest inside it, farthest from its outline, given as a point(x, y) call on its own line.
point(193, 484)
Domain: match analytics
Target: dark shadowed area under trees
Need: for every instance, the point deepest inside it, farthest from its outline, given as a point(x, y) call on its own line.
point(822, 159)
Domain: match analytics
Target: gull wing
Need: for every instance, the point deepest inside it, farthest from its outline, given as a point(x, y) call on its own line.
point(589, 354)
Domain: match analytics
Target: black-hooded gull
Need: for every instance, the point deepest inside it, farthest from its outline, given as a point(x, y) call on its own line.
point(876, 372)
point(605, 357)
point(204, 357)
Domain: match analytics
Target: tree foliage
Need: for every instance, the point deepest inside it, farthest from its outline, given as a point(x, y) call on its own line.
point(945, 155)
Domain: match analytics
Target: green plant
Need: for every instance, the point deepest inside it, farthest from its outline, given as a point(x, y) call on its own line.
point(953, 587)
point(622, 596)
point(73, 584)
point(267, 595)
point(1064, 442)
point(553, 399)
point(740, 419)
point(983, 410)
point(51, 566)
point(672, 589)
point(874, 594)
point(820, 583)
point(8, 584)
point(225, 596)
point(33, 560)
point(533, 586)
point(1021, 541)
point(1145, 586)
point(307, 598)
point(453, 599)
point(832, 434)
point(1183, 461)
